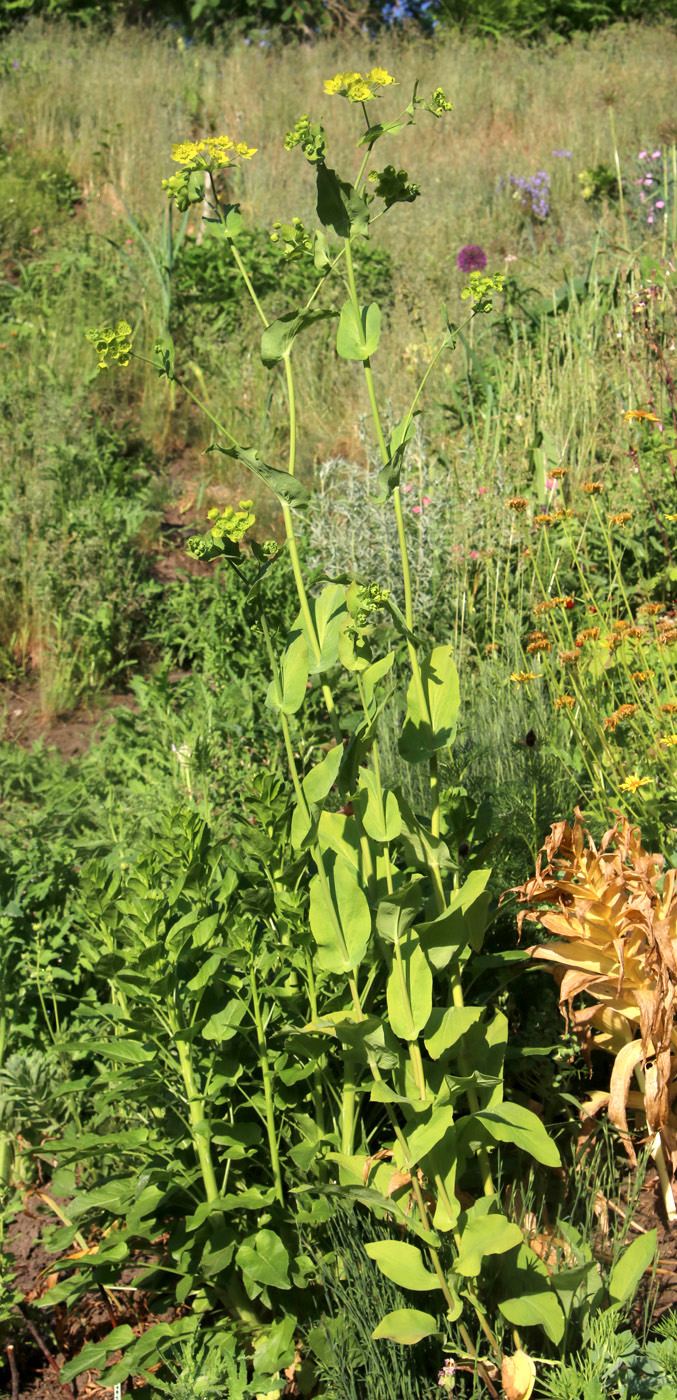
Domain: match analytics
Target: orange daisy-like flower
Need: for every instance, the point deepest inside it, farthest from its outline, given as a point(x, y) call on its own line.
point(558, 473)
point(623, 712)
point(622, 518)
point(639, 415)
point(517, 503)
point(592, 488)
point(670, 707)
point(565, 702)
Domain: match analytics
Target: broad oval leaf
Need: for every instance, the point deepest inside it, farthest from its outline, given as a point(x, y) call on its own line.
point(510, 1122)
point(423, 734)
point(485, 1234)
point(409, 989)
point(279, 336)
point(627, 1272)
point(339, 917)
point(406, 1326)
point(402, 1264)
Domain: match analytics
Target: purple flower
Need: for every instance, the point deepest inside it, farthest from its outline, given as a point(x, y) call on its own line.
point(660, 203)
point(535, 192)
point(472, 258)
point(643, 155)
point(15, 63)
point(562, 155)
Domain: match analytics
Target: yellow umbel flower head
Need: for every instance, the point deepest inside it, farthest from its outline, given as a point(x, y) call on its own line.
point(356, 87)
point(213, 153)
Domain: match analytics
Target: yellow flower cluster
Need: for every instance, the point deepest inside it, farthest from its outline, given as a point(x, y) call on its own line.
point(565, 702)
point(358, 88)
point(215, 152)
point(522, 677)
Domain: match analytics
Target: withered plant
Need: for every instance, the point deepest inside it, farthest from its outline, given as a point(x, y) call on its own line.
point(613, 909)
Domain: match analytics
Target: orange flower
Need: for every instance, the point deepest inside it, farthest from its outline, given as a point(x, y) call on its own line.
point(565, 702)
point(639, 415)
point(592, 488)
point(518, 503)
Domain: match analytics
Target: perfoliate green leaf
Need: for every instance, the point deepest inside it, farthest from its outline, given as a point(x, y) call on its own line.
point(339, 206)
point(290, 694)
point(463, 922)
point(379, 811)
point(339, 917)
point(406, 1326)
point(389, 475)
point(372, 134)
point(424, 1138)
point(288, 489)
point(403, 1264)
point(316, 785)
point(279, 336)
point(423, 734)
point(396, 912)
point(409, 989)
point(328, 612)
point(357, 337)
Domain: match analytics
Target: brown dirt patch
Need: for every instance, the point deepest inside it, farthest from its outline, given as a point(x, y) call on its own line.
point(22, 722)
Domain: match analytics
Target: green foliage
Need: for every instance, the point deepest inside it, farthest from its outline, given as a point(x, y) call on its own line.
point(207, 286)
point(537, 19)
point(37, 194)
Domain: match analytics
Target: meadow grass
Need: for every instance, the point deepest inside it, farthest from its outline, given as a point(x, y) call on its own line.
point(514, 398)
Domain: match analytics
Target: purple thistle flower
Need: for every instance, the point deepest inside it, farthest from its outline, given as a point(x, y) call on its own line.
point(472, 258)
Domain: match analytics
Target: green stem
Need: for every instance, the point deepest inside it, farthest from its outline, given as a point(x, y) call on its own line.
point(264, 1065)
point(619, 177)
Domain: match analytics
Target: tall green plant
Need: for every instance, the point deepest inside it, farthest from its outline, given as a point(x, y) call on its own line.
point(371, 924)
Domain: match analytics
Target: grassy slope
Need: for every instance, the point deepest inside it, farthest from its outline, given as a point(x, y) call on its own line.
point(85, 459)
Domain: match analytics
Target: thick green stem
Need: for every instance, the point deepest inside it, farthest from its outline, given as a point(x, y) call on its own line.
point(264, 1065)
point(348, 1095)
